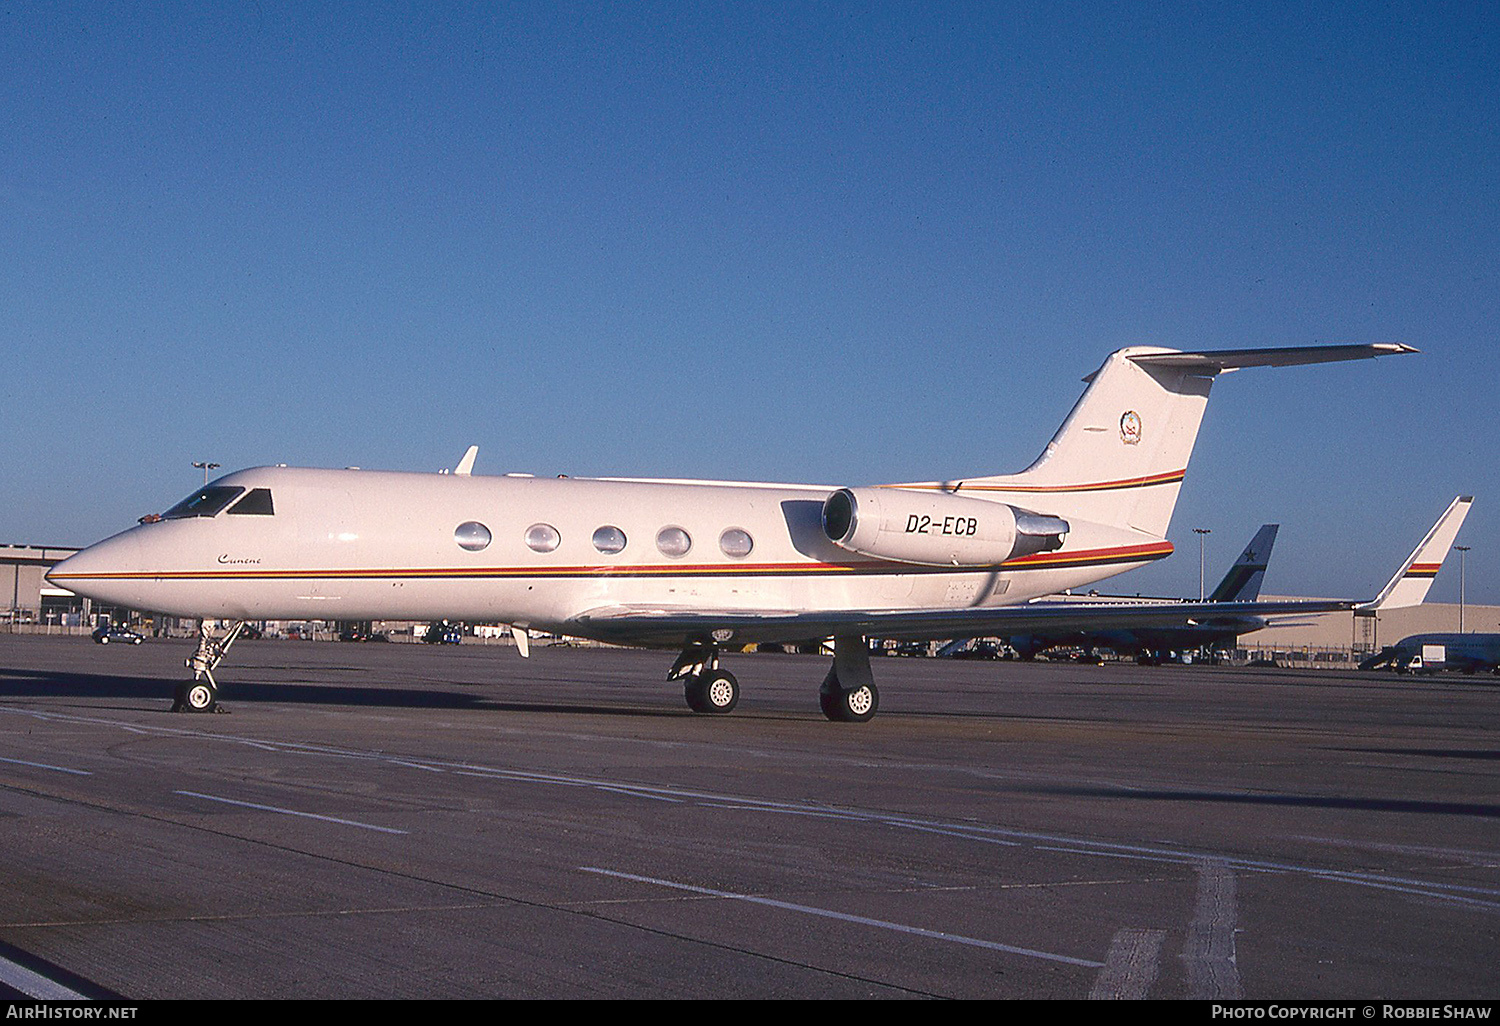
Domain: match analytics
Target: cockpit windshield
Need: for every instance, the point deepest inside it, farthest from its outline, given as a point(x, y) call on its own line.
point(205, 502)
point(257, 502)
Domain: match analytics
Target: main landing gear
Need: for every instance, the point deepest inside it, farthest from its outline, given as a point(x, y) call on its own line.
point(196, 695)
point(847, 695)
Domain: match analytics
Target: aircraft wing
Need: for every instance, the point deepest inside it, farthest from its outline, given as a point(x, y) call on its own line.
point(661, 625)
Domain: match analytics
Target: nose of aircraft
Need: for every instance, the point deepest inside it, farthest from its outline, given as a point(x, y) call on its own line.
point(104, 572)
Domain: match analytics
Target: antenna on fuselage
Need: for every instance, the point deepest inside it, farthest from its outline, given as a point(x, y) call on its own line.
point(465, 466)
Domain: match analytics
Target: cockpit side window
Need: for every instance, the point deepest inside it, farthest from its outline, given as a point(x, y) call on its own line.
point(205, 502)
point(257, 502)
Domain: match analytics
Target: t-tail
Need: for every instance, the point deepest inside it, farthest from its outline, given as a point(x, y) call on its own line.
point(1242, 582)
point(1410, 585)
point(1121, 455)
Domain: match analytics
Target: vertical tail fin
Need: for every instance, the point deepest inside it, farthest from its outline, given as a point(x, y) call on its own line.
point(1121, 455)
point(1410, 585)
point(1242, 582)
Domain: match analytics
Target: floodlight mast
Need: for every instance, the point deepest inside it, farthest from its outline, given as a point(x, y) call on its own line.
point(1202, 533)
point(1463, 552)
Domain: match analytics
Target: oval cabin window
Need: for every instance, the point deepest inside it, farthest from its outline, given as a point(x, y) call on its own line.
point(471, 535)
point(609, 540)
point(673, 541)
point(542, 538)
point(736, 543)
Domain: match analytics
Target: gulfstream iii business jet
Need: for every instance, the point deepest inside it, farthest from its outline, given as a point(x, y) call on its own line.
point(700, 565)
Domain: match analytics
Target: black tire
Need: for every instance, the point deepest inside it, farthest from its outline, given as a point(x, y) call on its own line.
point(712, 691)
point(828, 701)
point(852, 705)
point(197, 697)
point(104, 640)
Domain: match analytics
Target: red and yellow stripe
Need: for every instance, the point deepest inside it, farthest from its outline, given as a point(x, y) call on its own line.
point(1038, 561)
point(1168, 477)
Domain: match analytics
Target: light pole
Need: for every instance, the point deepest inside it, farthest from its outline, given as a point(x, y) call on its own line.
point(205, 466)
point(1463, 551)
point(1202, 533)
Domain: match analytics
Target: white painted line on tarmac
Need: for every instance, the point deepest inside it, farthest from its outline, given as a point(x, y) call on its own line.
point(45, 766)
point(787, 906)
point(811, 813)
point(965, 834)
point(35, 985)
point(1183, 860)
point(291, 812)
point(1476, 903)
point(1131, 966)
point(629, 793)
point(1479, 859)
point(1209, 949)
point(264, 746)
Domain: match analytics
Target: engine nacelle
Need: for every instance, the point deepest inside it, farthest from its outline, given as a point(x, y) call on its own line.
point(936, 528)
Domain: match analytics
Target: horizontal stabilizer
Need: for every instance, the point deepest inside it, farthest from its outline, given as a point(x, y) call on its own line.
point(1214, 361)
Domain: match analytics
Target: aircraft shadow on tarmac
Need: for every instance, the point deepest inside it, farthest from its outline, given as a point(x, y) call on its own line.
point(1485, 754)
point(31, 683)
point(1292, 800)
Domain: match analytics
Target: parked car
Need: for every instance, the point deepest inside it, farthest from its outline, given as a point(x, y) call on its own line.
point(117, 633)
point(981, 649)
point(444, 633)
point(356, 634)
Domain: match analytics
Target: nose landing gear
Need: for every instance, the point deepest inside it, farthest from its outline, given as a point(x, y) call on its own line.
point(195, 695)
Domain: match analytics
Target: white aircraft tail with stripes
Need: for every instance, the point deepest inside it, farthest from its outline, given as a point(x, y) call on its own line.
point(1121, 455)
point(1410, 585)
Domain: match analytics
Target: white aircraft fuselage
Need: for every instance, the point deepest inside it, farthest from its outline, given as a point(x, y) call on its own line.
point(361, 545)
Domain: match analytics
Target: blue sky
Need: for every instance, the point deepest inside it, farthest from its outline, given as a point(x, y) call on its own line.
point(816, 242)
